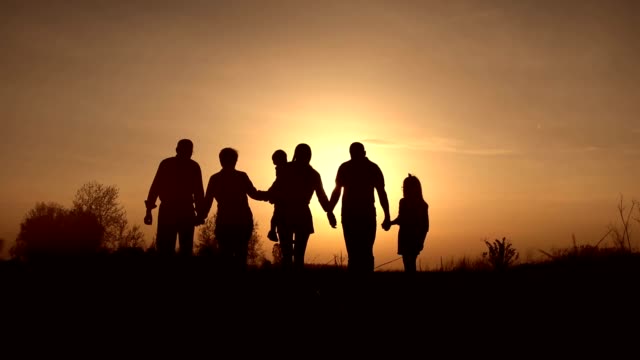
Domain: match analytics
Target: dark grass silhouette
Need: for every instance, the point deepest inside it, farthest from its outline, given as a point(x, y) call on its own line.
point(133, 284)
point(140, 302)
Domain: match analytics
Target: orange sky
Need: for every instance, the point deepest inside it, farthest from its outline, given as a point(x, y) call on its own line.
point(520, 118)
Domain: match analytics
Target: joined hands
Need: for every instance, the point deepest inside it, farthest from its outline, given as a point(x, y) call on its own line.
point(386, 224)
point(332, 219)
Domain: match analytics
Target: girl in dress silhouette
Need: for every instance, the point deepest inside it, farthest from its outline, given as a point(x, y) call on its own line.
point(413, 220)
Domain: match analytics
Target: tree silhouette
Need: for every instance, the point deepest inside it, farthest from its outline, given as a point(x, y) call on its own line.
point(207, 245)
point(50, 230)
point(102, 201)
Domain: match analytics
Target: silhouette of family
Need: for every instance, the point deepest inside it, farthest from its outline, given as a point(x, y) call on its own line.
point(184, 204)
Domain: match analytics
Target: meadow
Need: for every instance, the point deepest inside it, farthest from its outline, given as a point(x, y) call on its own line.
point(143, 307)
point(574, 298)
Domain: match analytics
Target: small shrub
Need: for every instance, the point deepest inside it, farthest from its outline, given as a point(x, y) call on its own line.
point(501, 254)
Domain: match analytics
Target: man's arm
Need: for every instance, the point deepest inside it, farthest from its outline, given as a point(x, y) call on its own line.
point(152, 196)
point(154, 190)
point(335, 196)
point(337, 191)
point(384, 200)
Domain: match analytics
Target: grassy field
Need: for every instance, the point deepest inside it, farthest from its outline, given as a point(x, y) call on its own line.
point(583, 298)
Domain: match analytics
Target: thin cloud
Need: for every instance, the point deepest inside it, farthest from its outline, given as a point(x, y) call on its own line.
point(486, 152)
point(379, 142)
point(625, 148)
point(444, 145)
point(580, 149)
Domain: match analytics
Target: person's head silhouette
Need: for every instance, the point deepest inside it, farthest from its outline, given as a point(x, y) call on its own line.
point(228, 158)
point(357, 151)
point(302, 154)
point(184, 149)
point(411, 187)
point(279, 157)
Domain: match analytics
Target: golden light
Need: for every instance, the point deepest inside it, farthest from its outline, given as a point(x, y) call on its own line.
point(330, 133)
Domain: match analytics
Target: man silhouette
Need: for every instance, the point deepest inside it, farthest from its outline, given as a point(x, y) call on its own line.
point(360, 177)
point(178, 184)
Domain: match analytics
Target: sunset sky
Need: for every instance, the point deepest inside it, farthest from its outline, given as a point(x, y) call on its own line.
point(521, 118)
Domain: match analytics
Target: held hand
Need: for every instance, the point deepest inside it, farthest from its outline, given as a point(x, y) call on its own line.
point(386, 224)
point(148, 218)
point(332, 219)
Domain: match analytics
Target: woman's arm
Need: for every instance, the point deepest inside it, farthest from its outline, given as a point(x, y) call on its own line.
point(253, 193)
point(322, 195)
point(207, 202)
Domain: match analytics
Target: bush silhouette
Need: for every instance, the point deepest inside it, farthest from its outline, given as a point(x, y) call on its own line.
point(501, 254)
point(50, 230)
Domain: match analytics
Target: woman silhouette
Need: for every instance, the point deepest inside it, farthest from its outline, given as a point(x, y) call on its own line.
point(295, 188)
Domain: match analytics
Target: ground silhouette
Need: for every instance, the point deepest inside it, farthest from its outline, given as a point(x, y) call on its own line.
point(537, 303)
